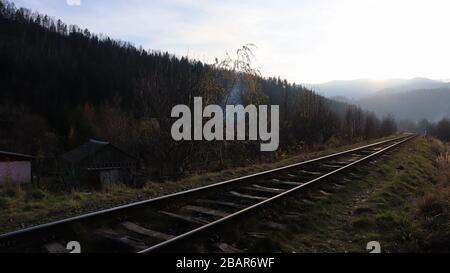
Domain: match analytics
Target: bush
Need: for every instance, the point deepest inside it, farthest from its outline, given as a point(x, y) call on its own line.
point(434, 207)
point(36, 194)
point(443, 160)
point(3, 203)
point(433, 204)
point(55, 184)
point(13, 191)
point(437, 147)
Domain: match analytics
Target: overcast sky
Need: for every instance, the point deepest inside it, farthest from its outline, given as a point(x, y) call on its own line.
point(304, 41)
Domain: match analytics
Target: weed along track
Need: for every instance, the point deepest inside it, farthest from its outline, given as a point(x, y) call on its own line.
point(164, 223)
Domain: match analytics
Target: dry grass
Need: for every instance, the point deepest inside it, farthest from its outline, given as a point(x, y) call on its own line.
point(433, 209)
point(442, 152)
point(435, 204)
point(437, 146)
point(443, 160)
point(434, 216)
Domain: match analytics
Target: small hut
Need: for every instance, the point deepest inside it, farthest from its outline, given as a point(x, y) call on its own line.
point(100, 164)
point(15, 168)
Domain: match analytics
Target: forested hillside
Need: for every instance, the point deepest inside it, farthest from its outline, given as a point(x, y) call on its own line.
point(414, 105)
point(360, 89)
point(61, 85)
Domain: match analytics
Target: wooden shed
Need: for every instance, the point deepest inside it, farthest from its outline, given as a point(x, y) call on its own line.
point(100, 164)
point(15, 168)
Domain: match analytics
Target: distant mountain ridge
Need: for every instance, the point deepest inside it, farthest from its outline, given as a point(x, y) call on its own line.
point(412, 99)
point(357, 89)
point(431, 104)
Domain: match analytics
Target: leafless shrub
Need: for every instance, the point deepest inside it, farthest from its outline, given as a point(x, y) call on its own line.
point(437, 146)
point(443, 161)
point(435, 203)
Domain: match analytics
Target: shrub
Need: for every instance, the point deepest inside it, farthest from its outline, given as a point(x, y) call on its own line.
point(433, 204)
point(3, 203)
point(443, 160)
point(13, 191)
point(437, 147)
point(435, 208)
point(36, 194)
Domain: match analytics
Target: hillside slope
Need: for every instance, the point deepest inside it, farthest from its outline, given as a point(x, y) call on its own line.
point(357, 89)
point(432, 104)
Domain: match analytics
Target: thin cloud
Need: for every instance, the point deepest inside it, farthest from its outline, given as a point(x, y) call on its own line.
point(73, 2)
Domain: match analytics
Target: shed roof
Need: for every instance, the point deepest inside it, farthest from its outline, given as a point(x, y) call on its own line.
point(88, 149)
point(16, 155)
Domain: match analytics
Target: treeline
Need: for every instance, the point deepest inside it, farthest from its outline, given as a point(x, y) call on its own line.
point(439, 129)
point(61, 85)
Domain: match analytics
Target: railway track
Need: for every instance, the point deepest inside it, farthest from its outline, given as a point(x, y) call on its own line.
point(162, 223)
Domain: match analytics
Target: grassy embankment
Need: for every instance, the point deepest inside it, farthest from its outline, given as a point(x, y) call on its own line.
point(403, 202)
point(23, 206)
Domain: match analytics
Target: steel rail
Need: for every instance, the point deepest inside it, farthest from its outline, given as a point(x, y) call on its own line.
point(240, 213)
